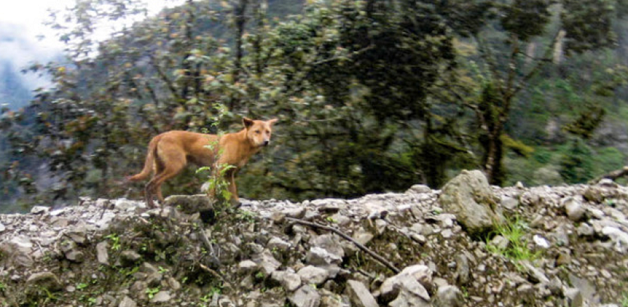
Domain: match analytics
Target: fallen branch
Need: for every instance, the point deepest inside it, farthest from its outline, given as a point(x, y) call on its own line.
point(612, 175)
point(345, 236)
point(216, 274)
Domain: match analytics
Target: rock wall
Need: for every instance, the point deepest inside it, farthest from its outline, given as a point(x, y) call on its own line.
point(570, 250)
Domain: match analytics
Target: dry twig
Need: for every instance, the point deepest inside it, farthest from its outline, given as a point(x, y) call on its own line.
point(345, 236)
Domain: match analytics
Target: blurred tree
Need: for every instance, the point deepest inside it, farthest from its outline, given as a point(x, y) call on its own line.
point(508, 64)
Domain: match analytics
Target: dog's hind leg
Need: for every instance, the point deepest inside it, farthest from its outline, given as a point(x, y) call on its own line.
point(169, 165)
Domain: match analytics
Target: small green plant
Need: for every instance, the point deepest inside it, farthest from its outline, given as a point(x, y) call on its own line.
point(246, 216)
point(151, 292)
point(81, 286)
point(624, 301)
point(2, 287)
point(163, 270)
point(217, 181)
point(517, 249)
point(115, 241)
point(331, 219)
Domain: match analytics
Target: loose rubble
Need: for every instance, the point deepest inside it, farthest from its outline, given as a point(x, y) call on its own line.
point(119, 253)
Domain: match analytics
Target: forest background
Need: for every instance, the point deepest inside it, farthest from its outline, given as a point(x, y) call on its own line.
point(371, 96)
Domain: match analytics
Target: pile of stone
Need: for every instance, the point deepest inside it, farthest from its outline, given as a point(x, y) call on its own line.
point(435, 248)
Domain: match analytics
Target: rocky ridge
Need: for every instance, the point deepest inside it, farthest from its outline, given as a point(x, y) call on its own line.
point(547, 246)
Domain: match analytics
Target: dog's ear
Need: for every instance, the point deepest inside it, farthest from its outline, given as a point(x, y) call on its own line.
point(247, 122)
point(272, 121)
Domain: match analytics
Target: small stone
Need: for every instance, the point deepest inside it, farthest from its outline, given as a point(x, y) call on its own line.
point(525, 289)
point(306, 296)
point(585, 230)
point(574, 208)
point(127, 302)
point(40, 210)
point(2, 227)
point(419, 189)
point(320, 256)
point(129, 258)
point(449, 296)
point(173, 283)
point(290, 281)
point(161, 297)
point(462, 269)
point(101, 253)
point(247, 266)
point(563, 258)
point(313, 275)
point(266, 262)
point(509, 203)
point(46, 280)
point(359, 295)
point(535, 274)
point(540, 241)
point(574, 296)
point(278, 244)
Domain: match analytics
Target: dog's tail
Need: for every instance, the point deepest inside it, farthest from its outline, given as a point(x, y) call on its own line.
point(148, 164)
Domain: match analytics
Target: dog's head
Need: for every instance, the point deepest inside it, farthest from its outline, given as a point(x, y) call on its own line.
point(259, 131)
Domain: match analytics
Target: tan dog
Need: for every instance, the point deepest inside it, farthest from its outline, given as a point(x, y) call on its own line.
point(170, 152)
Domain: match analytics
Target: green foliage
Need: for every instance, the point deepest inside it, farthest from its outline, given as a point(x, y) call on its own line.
point(576, 165)
point(151, 292)
point(587, 122)
point(514, 230)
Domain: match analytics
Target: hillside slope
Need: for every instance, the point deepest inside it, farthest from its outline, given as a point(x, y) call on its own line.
point(272, 253)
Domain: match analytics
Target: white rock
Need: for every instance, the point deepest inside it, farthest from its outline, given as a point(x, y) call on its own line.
point(540, 241)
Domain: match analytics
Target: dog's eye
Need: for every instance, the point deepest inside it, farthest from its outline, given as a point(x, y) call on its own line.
point(257, 131)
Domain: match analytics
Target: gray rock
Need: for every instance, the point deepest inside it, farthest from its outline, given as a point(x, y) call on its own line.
point(619, 238)
point(102, 253)
point(266, 262)
point(574, 208)
point(359, 294)
point(161, 297)
point(247, 266)
point(500, 242)
point(448, 296)
point(290, 281)
point(78, 235)
point(225, 302)
point(395, 286)
point(306, 296)
point(46, 280)
point(588, 291)
point(2, 227)
point(313, 275)
point(470, 198)
point(408, 299)
point(534, 273)
point(574, 296)
point(462, 269)
point(129, 258)
point(321, 257)
point(188, 203)
point(330, 243)
point(419, 189)
point(127, 302)
point(71, 251)
point(40, 210)
point(509, 203)
point(278, 244)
